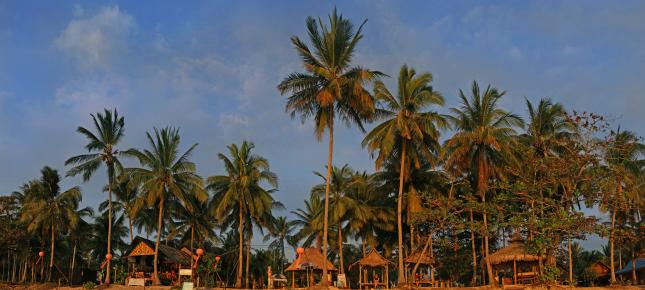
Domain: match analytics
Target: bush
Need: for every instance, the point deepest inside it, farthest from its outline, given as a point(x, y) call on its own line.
point(89, 285)
point(550, 274)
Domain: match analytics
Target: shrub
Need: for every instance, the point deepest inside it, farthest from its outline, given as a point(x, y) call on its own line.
point(89, 285)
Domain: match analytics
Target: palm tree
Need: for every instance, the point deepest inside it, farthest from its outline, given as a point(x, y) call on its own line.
point(330, 87)
point(280, 231)
point(46, 208)
point(241, 191)
point(547, 124)
point(481, 144)
point(165, 175)
point(408, 131)
point(192, 220)
point(125, 192)
point(309, 219)
point(625, 158)
point(102, 148)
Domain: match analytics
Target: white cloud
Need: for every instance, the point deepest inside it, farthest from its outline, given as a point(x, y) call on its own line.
point(88, 95)
point(94, 39)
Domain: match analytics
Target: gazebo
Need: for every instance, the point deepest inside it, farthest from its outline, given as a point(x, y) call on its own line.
point(373, 260)
point(424, 260)
point(510, 256)
point(308, 260)
point(140, 257)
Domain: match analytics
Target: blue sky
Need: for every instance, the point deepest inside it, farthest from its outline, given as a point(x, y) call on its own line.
point(211, 68)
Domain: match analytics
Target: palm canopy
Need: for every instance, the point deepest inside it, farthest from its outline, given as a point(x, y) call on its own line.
point(329, 86)
point(405, 119)
point(547, 124)
point(483, 134)
point(310, 221)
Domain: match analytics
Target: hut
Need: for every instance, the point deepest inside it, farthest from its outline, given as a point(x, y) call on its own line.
point(309, 260)
point(514, 257)
point(140, 258)
point(373, 260)
point(425, 261)
point(638, 266)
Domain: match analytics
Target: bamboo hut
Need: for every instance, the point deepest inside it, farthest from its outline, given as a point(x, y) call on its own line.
point(140, 258)
point(425, 261)
point(512, 255)
point(309, 260)
point(373, 260)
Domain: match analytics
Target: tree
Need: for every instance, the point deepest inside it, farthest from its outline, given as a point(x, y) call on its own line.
point(241, 191)
point(309, 219)
point(625, 158)
point(330, 88)
point(125, 192)
point(281, 230)
point(408, 131)
point(164, 176)
point(193, 222)
point(102, 147)
point(481, 143)
point(46, 208)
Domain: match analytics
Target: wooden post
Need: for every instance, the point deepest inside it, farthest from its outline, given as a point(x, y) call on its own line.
point(387, 277)
point(514, 271)
point(360, 276)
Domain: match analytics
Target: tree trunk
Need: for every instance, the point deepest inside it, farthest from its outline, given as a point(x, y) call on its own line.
point(192, 236)
point(109, 241)
point(423, 252)
point(324, 280)
point(399, 210)
point(634, 278)
point(155, 275)
point(474, 248)
point(248, 264)
point(482, 185)
point(340, 243)
point(51, 258)
point(613, 231)
point(130, 225)
point(71, 271)
point(238, 281)
point(570, 263)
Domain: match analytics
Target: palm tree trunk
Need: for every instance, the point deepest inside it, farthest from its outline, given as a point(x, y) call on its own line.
point(423, 252)
point(482, 184)
point(192, 237)
point(399, 210)
point(570, 262)
point(340, 241)
point(130, 224)
point(51, 258)
point(71, 270)
point(248, 256)
point(324, 279)
point(155, 275)
point(109, 237)
point(634, 278)
point(474, 248)
point(613, 231)
point(238, 282)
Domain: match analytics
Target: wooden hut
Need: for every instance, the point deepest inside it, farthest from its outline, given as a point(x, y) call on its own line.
point(140, 258)
point(425, 261)
point(512, 256)
point(373, 260)
point(309, 261)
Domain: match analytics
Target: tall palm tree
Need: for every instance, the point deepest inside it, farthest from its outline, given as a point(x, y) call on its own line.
point(408, 131)
point(547, 123)
point(625, 158)
point(331, 87)
point(241, 191)
point(193, 222)
point(164, 175)
point(309, 219)
point(102, 147)
point(48, 209)
point(481, 143)
point(125, 192)
point(280, 231)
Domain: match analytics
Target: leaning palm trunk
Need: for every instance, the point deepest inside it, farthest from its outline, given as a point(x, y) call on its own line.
point(340, 241)
point(51, 258)
point(248, 264)
point(238, 282)
point(71, 268)
point(398, 215)
point(155, 275)
point(327, 183)
point(109, 237)
point(612, 232)
point(423, 252)
point(474, 248)
point(192, 237)
point(570, 261)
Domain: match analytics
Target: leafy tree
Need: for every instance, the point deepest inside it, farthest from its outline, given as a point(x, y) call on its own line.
point(309, 219)
point(280, 231)
point(164, 176)
point(102, 145)
point(408, 131)
point(331, 87)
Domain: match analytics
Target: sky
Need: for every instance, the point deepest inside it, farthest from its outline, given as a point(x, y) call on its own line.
point(211, 68)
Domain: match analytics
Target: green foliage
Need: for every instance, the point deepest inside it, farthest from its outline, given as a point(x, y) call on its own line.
point(89, 285)
point(550, 274)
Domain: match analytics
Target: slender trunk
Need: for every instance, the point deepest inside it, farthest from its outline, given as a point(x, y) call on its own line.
point(130, 225)
point(13, 271)
point(71, 270)
point(51, 257)
point(109, 237)
point(324, 279)
point(155, 275)
point(423, 252)
point(248, 256)
point(489, 269)
point(363, 247)
point(482, 185)
point(340, 244)
point(238, 281)
point(411, 232)
point(613, 231)
point(399, 210)
point(192, 236)
point(473, 282)
point(634, 278)
point(570, 262)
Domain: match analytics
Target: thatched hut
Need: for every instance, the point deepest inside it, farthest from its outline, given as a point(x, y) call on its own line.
point(373, 260)
point(426, 261)
point(310, 260)
point(140, 258)
point(511, 256)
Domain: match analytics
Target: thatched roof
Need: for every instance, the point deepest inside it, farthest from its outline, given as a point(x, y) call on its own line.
point(514, 251)
point(167, 254)
point(423, 260)
point(312, 258)
point(372, 259)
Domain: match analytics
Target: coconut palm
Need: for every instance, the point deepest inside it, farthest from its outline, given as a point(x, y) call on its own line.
point(547, 123)
point(164, 176)
point(47, 209)
point(241, 191)
point(309, 219)
point(625, 158)
point(330, 87)
point(481, 143)
point(280, 231)
point(102, 147)
point(193, 222)
point(408, 131)
point(125, 192)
